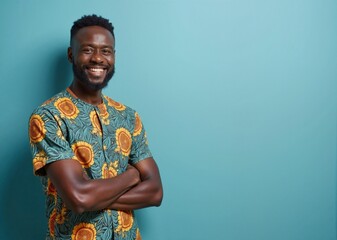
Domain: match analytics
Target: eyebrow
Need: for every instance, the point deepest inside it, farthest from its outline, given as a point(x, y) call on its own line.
point(94, 46)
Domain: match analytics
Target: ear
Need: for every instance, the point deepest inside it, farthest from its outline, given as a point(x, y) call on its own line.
point(70, 55)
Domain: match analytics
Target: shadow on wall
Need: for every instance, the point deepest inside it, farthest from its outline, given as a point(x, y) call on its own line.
point(23, 197)
point(23, 200)
point(62, 76)
point(143, 222)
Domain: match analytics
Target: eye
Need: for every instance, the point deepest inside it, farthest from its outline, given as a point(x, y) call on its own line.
point(107, 51)
point(87, 50)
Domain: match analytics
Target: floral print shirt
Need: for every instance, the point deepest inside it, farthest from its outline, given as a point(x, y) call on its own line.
point(104, 139)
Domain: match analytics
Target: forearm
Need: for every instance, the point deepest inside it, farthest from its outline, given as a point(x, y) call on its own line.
point(145, 194)
point(100, 193)
point(80, 193)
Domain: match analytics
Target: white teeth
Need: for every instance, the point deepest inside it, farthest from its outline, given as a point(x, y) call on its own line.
point(96, 69)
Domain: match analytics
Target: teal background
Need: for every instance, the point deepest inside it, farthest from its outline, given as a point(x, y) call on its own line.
point(238, 98)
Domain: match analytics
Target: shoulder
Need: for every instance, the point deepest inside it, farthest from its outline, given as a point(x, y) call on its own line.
point(118, 106)
point(125, 112)
point(51, 107)
point(53, 103)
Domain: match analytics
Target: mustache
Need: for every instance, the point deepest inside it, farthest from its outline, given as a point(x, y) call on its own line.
point(97, 66)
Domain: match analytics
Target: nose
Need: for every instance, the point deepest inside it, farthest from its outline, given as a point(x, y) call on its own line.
point(96, 57)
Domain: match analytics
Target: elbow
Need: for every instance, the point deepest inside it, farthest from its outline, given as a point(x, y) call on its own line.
point(78, 209)
point(158, 198)
point(78, 203)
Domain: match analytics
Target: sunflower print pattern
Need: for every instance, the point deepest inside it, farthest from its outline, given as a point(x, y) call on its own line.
point(104, 139)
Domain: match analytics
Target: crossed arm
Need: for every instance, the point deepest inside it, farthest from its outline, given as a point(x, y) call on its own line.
point(138, 187)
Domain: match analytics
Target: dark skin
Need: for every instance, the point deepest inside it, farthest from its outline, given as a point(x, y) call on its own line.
point(92, 49)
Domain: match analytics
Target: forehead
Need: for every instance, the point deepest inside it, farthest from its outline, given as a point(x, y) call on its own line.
point(94, 35)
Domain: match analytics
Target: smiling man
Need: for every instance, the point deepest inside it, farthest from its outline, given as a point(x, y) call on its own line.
point(92, 152)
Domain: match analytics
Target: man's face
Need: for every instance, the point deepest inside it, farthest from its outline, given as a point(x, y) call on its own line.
point(92, 54)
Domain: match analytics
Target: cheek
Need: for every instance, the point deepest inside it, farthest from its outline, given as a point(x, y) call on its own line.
point(111, 60)
point(81, 62)
point(82, 59)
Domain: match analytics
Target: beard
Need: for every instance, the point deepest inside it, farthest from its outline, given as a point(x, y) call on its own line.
point(80, 74)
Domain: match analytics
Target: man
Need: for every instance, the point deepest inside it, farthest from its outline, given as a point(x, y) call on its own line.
point(92, 152)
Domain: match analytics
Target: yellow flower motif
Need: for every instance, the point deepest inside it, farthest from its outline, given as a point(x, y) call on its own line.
point(84, 231)
point(103, 111)
point(104, 114)
point(125, 221)
point(39, 161)
point(51, 223)
point(118, 106)
point(123, 140)
point(61, 217)
point(59, 133)
point(146, 141)
point(109, 171)
point(59, 121)
point(67, 108)
point(114, 164)
point(84, 153)
point(51, 190)
point(138, 236)
point(138, 125)
point(37, 130)
point(96, 125)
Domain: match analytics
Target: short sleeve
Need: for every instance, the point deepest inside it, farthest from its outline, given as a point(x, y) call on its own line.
point(139, 149)
point(47, 140)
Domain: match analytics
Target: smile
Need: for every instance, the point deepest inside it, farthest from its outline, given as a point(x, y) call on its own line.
point(96, 69)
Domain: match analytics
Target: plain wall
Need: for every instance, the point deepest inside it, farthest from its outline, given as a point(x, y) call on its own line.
point(238, 98)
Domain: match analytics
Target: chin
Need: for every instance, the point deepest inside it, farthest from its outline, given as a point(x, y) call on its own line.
point(97, 85)
point(93, 84)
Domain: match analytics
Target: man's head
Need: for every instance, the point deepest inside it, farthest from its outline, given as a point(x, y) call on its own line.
point(92, 51)
point(91, 20)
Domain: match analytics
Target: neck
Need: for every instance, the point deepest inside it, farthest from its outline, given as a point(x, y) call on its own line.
point(90, 96)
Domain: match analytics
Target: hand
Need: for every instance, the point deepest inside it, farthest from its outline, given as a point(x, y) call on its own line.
point(134, 173)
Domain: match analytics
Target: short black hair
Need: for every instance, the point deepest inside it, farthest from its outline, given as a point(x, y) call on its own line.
point(91, 20)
